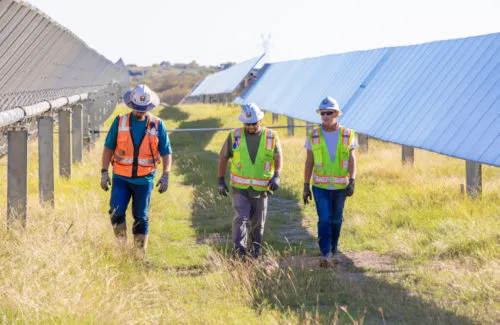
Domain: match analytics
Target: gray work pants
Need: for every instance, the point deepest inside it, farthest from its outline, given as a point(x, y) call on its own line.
point(249, 217)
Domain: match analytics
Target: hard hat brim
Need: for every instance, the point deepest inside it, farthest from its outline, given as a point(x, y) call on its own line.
point(127, 100)
point(253, 119)
point(329, 109)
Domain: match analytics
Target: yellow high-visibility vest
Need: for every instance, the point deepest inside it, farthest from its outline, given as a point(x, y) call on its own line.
point(245, 174)
point(327, 172)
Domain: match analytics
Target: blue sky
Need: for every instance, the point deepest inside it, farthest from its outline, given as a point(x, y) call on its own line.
point(210, 32)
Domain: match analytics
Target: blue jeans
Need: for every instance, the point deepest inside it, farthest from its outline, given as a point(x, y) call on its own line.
point(330, 207)
point(121, 192)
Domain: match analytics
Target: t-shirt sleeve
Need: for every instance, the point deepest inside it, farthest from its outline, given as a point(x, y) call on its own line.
point(110, 141)
point(163, 140)
point(307, 144)
point(354, 143)
point(227, 150)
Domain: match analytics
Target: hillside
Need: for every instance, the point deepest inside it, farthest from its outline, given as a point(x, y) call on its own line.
point(172, 81)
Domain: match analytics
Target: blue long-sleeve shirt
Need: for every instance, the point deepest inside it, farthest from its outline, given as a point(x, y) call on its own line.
point(138, 130)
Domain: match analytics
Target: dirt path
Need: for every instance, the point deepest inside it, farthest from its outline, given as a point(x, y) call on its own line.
point(298, 231)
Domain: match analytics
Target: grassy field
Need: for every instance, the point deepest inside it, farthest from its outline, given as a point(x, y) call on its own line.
point(416, 250)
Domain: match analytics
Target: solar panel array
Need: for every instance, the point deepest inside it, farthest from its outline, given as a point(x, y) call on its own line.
point(41, 60)
point(440, 96)
point(225, 81)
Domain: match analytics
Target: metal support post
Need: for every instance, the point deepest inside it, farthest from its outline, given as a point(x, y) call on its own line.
point(363, 142)
point(65, 143)
point(275, 118)
point(474, 178)
point(408, 154)
point(46, 159)
point(91, 113)
point(17, 176)
point(309, 127)
point(77, 133)
point(290, 126)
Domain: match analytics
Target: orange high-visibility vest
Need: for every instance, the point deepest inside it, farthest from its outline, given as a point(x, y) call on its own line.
point(130, 161)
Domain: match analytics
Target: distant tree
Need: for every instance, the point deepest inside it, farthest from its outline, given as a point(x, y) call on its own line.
point(171, 81)
point(193, 65)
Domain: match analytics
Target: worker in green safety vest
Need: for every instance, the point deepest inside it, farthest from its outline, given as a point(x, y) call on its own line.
point(256, 162)
point(331, 162)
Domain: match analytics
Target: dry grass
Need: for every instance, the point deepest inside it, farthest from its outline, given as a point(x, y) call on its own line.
point(65, 267)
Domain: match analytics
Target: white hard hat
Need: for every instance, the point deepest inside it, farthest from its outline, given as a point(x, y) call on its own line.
point(250, 113)
point(329, 103)
point(141, 99)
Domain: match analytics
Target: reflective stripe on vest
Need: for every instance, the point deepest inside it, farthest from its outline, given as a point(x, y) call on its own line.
point(123, 125)
point(244, 173)
point(328, 173)
point(246, 181)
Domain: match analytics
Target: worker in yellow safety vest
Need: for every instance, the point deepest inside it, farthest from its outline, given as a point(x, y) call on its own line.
point(256, 162)
point(331, 162)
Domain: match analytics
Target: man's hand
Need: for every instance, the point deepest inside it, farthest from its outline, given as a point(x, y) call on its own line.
point(163, 183)
point(306, 195)
point(349, 190)
point(223, 190)
point(105, 180)
point(274, 183)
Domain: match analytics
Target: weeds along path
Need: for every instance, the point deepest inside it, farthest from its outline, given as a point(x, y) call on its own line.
point(67, 262)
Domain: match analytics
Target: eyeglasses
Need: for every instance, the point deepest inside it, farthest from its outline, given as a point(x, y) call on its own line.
point(327, 113)
point(251, 124)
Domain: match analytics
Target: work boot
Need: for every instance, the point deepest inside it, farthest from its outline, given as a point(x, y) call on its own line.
point(120, 231)
point(140, 245)
point(323, 263)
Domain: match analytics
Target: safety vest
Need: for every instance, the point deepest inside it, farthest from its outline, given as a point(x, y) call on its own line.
point(245, 174)
point(327, 172)
point(136, 161)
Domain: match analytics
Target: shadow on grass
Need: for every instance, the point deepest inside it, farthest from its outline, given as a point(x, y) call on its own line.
point(172, 113)
point(317, 294)
point(305, 289)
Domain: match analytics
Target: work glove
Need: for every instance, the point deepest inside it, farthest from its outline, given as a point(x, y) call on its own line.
point(274, 183)
point(349, 190)
point(163, 183)
point(105, 180)
point(306, 195)
point(223, 190)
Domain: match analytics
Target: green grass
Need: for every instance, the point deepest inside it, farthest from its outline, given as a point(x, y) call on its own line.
point(66, 268)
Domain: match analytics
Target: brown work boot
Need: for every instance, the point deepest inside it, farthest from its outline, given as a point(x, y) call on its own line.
point(323, 263)
point(140, 245)
point(120, 231)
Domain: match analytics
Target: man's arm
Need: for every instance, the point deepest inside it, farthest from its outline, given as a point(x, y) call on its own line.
point(308, 168)
point(167, 163)
point(106, 157)
point(224, 155)
point(278, 162)
point(351, 165)
point(221, 168)
point(278, 157)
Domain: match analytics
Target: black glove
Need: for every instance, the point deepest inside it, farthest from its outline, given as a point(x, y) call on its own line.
point(163, 183)
point(307, 193)
point(274, 183)
point(349, 190)
point(223, 190)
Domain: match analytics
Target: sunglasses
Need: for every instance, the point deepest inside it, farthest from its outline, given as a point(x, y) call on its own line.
point(327, 113)
point(251, 124)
